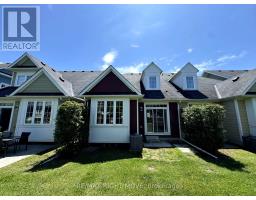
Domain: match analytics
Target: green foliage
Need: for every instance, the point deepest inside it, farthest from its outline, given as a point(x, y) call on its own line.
point(69, 131)
point(202, 125)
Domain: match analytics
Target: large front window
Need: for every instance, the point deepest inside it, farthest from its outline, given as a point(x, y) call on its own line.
point(156, 119)
point(38, 112)
point(109, 112)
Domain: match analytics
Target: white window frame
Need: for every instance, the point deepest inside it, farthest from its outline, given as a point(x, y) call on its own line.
point(149, 82)
point(17, 78)
point(147, 107)
point(186, 81)
point(34, 110)
point(105, 113)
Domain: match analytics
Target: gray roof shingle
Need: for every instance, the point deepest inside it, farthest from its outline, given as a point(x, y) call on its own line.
point(231, 88)
point(225, 73)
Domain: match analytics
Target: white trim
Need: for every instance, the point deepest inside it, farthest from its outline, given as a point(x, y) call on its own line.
point(20, 58)
point(249, 87)
point(167, 120)
point(8, 76)
point(105, 73)
point(152, 63)
point(217, 91)
point(35, 77)
point(34, 111)
point(26, 83)
point(105, 113)
point(239, 123)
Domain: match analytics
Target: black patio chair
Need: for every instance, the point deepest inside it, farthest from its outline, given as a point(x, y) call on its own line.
point(7, 134)
point(23, 139)
point(3, 148)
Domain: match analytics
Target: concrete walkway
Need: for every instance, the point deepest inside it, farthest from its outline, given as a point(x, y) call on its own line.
point(21, 154)
point(184, 148)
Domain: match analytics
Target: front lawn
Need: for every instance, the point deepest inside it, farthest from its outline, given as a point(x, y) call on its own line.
point(113, 171)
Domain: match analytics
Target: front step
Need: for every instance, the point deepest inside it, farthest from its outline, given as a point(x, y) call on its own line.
point(152, 139)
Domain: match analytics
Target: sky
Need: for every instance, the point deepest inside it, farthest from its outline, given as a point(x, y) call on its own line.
point(129, 37)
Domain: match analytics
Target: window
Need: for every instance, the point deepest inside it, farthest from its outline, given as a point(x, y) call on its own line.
point(2, 85)
point(156, 119)
point(40, 115)
point(119, 112)
point(190, 82)
point(100, 112)
point(47, 112)
point(110, 111)
point(112, 114)
point(152, 81)
point(29, 113)
point(21, 79)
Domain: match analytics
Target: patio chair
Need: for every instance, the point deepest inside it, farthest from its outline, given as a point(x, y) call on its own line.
point(7, 134)
point(3, 148)
point(23, 139)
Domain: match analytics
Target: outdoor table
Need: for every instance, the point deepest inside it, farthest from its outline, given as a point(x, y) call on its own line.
point(7, 141)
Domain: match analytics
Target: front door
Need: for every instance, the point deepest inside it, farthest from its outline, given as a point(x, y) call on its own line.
point(5, 117)
point(157, 119)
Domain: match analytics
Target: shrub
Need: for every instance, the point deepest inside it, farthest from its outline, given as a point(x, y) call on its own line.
point(202, 126)
point(69, 128)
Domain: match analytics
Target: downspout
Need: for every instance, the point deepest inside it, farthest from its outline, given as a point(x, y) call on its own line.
point(190, 144)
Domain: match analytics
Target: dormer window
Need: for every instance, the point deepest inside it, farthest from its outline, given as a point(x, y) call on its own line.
point(190, 82)
point(152, 82)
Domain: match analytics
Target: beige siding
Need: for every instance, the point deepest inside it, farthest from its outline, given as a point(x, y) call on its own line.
point(41, 85)
point(244, 118)
point(230, 122)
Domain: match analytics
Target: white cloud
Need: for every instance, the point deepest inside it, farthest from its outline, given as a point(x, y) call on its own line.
point(225, 58)
point(109, 58)
point(189, 50)
point(220, 61)
point(134, 45)
point(132, 68)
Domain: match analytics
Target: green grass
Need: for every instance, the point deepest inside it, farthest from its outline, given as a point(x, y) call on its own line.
point(113, 171)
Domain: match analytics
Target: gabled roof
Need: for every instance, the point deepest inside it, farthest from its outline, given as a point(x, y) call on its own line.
point(152, 64)
point(105, 73)
point(64, 85)
point(236, 86)
point(186, 66)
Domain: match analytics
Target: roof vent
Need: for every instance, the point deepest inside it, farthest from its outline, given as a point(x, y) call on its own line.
point(61, 79)
point(83, 71)
point(65, 71)
point(131, 73)
point(235, 79)
point(92, 71)
point(73, 71)
point(43, 63)
point(219, 71)
point(53, 70)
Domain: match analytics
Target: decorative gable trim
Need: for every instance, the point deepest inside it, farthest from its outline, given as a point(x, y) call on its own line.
point(12, 65)
point(104, 74)
point(182, 69)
